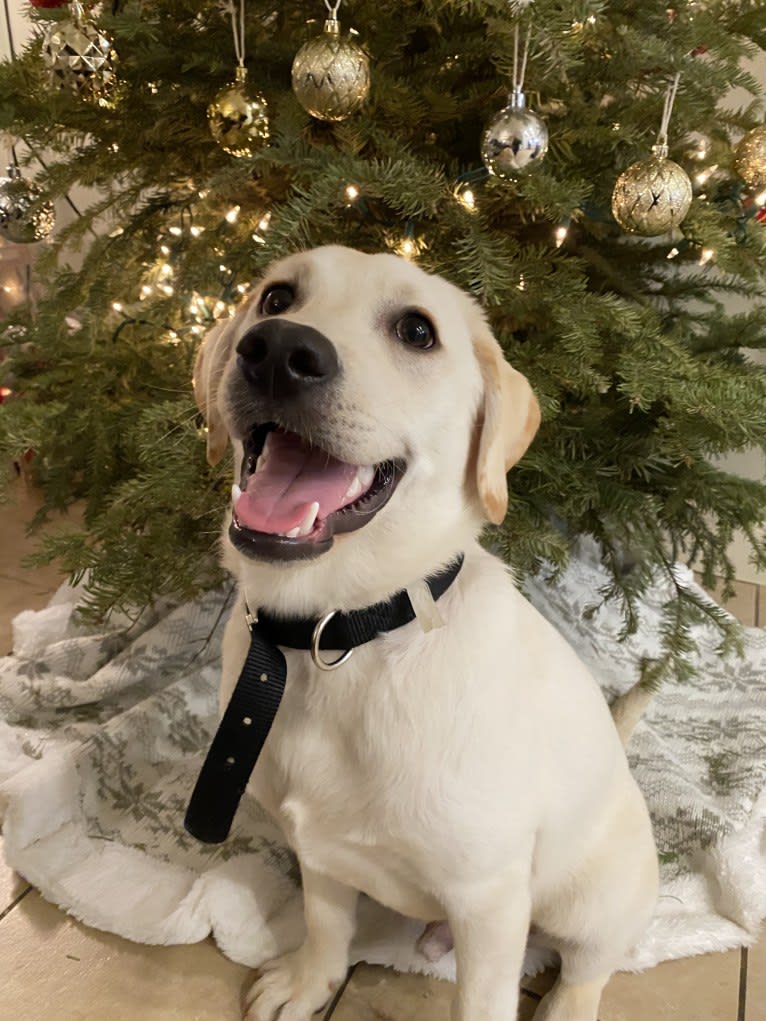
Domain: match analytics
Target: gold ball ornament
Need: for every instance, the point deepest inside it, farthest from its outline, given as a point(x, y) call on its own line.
point(750, 158)
point(331, 75)
point(26, 215)
point(239, 117)
point(81, 58)
point(652, 196)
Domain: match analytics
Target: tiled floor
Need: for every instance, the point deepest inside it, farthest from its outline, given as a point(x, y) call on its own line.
point(52, 967)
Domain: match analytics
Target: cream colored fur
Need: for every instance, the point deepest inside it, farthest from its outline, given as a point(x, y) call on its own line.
point(472, 773)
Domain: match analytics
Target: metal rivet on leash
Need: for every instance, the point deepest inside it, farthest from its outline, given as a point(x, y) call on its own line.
point(316, 639)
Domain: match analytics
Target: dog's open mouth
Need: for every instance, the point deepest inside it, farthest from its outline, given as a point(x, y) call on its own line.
point(293, 497)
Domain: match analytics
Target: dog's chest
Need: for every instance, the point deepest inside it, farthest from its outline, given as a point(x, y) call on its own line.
point(340, 774)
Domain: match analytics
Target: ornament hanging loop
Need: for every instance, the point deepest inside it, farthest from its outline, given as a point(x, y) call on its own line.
point(661, 146)
point(238, 30)
point(516, 98)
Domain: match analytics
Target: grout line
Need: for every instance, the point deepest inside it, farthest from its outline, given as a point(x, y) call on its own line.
point(14, 902)
point(336, 999)
point(758, 606)
point(742, 1005)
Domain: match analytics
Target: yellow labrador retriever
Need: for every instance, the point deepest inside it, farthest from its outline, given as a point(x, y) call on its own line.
point(462, 766)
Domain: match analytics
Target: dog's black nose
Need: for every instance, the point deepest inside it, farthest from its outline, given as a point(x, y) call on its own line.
point(283, 359)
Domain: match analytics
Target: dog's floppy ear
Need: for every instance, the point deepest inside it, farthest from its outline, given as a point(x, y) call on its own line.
point(508, 423)
point(211, 360)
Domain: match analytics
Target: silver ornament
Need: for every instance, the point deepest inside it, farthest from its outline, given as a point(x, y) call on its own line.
point(25, 214)
point(238, 118)
point(516, 140)
point(331, 75)
point(750, 158)
point(652, 196)
point(81, 58)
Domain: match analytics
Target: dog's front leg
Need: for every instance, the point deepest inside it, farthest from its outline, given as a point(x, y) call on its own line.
point(294, 987)
point(490, 927)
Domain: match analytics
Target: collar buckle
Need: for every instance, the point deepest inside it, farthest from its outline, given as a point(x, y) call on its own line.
point(316, 639)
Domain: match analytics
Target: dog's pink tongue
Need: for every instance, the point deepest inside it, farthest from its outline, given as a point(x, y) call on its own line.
point(291, 476)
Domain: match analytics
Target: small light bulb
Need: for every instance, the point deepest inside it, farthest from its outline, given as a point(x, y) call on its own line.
point(466, 198)
point(263, 223)
point(707, 255)
point(164, 249)
point(146, 290)
point(522, 284)
point(241, 288)
point(561, 235)
point(175, 231)
point(672, 253)
point(760, 199)
point(203, 193)
point(233, 214)
point(117, 306)
point(196, 231)
point(352, 192)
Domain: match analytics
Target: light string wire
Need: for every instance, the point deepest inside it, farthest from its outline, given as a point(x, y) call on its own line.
point(670, 98)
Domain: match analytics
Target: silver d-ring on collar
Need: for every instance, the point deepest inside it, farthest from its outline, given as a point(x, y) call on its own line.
point(316, 639)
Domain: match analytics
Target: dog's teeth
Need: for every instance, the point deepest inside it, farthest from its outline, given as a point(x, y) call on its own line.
point(365, 474)
point(293, 533)
point(236, 492)
point(354, 489)
point(308, 522)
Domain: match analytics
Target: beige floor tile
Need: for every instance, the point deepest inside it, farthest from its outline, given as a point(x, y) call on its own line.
point(702, 988)
point(11, 884)
point(380, 994)
point(22, 589)
point(55, 968)
point(373, 994)
point(755, 996)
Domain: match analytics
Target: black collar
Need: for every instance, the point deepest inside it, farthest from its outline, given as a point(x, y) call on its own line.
point(256, 698)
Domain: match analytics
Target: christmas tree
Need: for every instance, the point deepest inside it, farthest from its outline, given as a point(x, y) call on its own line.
point(638, 365)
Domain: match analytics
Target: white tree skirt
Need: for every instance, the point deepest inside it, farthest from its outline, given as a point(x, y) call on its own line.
point(102, 734)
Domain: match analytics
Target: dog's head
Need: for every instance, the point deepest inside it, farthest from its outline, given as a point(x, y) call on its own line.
point(373, 415)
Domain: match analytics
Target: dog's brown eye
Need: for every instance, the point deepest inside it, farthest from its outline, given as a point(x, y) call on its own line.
point(416, 331)
point(277, 299)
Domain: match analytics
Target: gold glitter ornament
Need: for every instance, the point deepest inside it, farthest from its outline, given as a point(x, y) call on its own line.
point(239, 118)
point(331, 75)
point(750, 158)
point(81, 58)
point(26, 215)
point(652, 196)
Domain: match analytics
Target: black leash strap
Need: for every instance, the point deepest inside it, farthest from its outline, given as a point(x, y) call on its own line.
point(250, 713)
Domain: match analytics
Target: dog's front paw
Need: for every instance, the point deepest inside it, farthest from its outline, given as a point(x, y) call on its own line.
point(291, 988)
